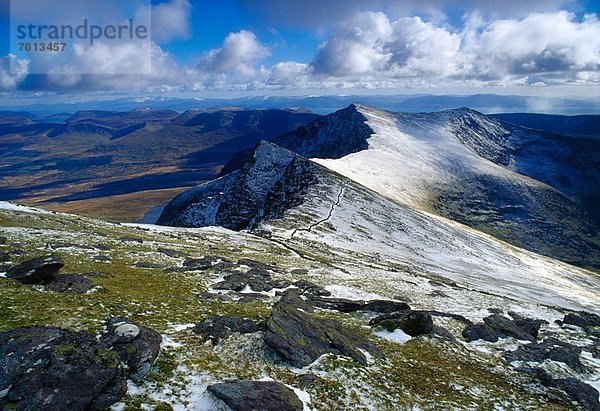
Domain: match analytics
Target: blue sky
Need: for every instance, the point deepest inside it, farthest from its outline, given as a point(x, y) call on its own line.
point(334, 47)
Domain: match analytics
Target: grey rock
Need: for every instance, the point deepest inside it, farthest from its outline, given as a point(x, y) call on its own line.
point(200, 264)
point(220, 327)
point(549, 349)
point(443, 333)
point(301, 339)
point(479, 331)
point(347, 306)
point(505, 327)
point(584, 394)
point(70, 283)
point(36, 271)
point(582, 319)
point(147, 264)
point(307, 380)
point(48, 368)
point(136, 345)
point(131, 239)
point(257, 395)
point(306, 287)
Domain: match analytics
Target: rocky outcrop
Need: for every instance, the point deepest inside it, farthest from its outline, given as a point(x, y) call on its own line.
point(220, 326)
point(257, 395)
point(549, 349)
point(505, 327)
point(301, 339)
point(271, 181)
point(348, 306)
point(479, 331)
point(582, 319)
point(36, 271)
point(53, 369)
point(137, 346)
point(576, 391)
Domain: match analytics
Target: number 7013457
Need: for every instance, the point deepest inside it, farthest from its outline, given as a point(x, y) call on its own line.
point(42, 47)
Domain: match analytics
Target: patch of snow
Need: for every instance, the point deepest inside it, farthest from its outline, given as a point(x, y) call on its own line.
point(5, 205)
point(397, 336)
point(350, 293)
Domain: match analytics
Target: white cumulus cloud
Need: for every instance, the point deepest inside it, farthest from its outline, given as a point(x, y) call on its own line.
point(12, 71)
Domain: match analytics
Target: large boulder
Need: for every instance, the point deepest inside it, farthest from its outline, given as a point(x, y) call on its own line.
point(412, 322)
point(479, 331)
point(257, 395)
point(582, 319)
point(136, 345)
point(505, 327)
point(70, 283)
point(347, 306)
point(47, 368)
point(36, 271)
point(302, 339)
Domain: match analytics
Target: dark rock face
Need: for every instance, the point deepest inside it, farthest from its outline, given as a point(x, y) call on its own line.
point(36, 271)
point(583, 393)
point(479, 331)
point(582, 319)
point(302, 339)
point(49, 368)
point(549, 349)
point(136, 345)
point(271, 181)
point(219, 327)
point(257, 395)
point(70, 283)
point(234, 282)
point(505, 327)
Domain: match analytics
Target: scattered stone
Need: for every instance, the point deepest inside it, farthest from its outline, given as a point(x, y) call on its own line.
point(306, 287)
point(529, 325)
point(36, 271)
point(102, 259)
point(70, 284)
point(302, 339)
point(102, 247)
point(549, 349)
point(4, 256)
point(136, 345)
point(495, 310)
point(443, 333)
point(257, 395)
point(3, 240)
point(219, 327)
point(505, 327)
point(259, 279)
point(479, 331)
point(251, 298)
point(280, 283)
point(234, 282)
point(49, 368)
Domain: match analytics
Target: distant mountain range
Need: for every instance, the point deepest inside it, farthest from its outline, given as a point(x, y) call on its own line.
point(485, 103)
point(85, 160)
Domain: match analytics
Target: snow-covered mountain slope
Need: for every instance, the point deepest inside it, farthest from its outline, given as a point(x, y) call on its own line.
point(464, 166)
point(315, 212)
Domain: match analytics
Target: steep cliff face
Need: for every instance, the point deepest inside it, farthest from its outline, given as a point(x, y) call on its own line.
point(272, 180)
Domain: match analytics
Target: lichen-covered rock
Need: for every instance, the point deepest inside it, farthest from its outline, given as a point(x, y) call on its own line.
point(302, 339)
point(219, 327)
point(48, 368)
point(136, 345)
point(70, 283)
point(479, 331)
point(549, 349)
point(257, 395)
point(36, 271)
